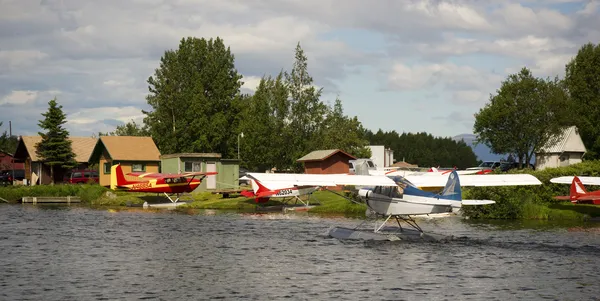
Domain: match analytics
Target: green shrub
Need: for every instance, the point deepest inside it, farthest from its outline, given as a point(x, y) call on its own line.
point(531, 202)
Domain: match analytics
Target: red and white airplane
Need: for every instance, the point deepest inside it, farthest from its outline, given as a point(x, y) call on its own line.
point(169, 184)
point(578, 193)
point(262, 194)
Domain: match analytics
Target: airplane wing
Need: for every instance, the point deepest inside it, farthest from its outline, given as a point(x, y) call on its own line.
point(156, 175)
point(569, 180)
point(477, 202)
point(289, 180)
point(475, 180)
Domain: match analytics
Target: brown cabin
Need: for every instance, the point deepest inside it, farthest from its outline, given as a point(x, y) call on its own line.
point(7, 161)
point(134, 153)
point(36, 172)
point(330, 161)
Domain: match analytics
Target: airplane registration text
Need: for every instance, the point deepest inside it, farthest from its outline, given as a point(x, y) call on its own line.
point(141, 185)
point(284, 192)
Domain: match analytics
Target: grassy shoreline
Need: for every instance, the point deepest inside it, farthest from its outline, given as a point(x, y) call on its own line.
point(328, 204)
point(512, 203)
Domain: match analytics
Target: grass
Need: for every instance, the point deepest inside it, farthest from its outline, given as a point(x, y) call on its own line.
point(331, 204)
point(523, 202)
point(87, 192)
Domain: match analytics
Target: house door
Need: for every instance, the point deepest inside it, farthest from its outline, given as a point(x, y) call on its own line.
point(211, 181)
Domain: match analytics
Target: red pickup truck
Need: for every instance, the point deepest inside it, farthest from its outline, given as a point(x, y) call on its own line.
point(82, 176)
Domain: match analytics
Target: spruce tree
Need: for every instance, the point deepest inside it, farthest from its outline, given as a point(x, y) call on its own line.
point(55, 147)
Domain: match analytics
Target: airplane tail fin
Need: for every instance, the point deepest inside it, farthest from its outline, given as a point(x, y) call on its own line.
point(261, 192)
point(117, 177)
point(452, 189)
point(577, 189)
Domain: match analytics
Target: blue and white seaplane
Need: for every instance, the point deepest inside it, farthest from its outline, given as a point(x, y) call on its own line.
point(398, 197)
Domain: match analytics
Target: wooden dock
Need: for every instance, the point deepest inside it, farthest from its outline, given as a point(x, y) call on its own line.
point(50, 199)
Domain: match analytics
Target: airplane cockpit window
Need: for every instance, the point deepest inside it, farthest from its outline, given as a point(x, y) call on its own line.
point(377, 190)
point(370, 164)
point(401, 180)
point(398, 191)
point(182, 180)
point(387, 190)
point(168, 180)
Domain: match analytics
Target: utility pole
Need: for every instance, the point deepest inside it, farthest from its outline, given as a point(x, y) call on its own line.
point(240, 134)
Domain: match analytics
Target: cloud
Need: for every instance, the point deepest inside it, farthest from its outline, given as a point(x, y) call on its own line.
point(19, 97)
point(96, 56)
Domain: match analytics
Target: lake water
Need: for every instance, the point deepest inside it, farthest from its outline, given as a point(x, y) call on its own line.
point(79, 253)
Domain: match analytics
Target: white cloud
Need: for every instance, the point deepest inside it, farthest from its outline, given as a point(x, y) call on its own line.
point(469, 84)
point(99, 54)
point(14, 59)
point(19, 97)
point(251, 82)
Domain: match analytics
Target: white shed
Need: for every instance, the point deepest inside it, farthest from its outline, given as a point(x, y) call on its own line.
point(568, 149)
point(381, 156)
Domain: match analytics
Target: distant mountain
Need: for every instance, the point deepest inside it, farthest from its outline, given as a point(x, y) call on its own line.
point(482, 152)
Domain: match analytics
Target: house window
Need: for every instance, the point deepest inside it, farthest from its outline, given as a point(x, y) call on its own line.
point(107, 168)
point(192, 166)
point(138, 167)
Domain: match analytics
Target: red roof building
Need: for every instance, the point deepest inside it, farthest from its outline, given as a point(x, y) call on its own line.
point(330, 161)
point(6, 162)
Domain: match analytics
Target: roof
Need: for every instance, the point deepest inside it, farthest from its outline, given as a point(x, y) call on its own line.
point(127, 148)
point(82, 147)
point(568, 141)
point(191, 155)
point(320, 155)
point(404, 164)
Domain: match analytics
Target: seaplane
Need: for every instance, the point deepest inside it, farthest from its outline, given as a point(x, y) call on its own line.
point(262, 194)
point(171, 185)
point(577, 193)
point(397, 197)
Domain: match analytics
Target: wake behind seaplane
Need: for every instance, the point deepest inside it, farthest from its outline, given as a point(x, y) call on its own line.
point(577, 193)
point(397, 196)
point(168, 184)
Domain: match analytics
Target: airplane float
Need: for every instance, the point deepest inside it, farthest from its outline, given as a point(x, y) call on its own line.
point(397, 196)
point(578, 194)
point(168, 184)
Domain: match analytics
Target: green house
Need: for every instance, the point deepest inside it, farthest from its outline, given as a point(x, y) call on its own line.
point(228, 169)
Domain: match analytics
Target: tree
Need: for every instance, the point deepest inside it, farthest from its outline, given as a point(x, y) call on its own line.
point(342, 132)
point(425, 150)
point(131, 129)
point(55, 147)
point(285, 119)
point(307, 111)
point(8, 143)
point(194, 96)
point(582, 78)
point(526, 114)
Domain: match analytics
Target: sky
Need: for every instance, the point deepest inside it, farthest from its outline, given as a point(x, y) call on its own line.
point(409, 66)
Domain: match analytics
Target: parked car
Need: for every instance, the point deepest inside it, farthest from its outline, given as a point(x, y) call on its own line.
point(506, 166)
point(82, 176)
point(243, 172)
point(486, 165)
point(8, 176)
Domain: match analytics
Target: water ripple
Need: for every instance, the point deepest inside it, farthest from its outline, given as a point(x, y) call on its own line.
point(77, 253)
